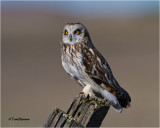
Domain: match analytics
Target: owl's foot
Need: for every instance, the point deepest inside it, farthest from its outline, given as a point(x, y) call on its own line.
point(92, 100)
point(83, 95)
point(87, 90)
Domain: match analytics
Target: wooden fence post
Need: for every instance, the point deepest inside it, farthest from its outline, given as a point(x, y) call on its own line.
point(83, 112)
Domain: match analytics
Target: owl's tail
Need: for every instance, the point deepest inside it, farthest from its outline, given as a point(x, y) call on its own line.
point(124, 98)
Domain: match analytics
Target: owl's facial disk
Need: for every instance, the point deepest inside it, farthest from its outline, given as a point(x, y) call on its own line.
point(72, 34)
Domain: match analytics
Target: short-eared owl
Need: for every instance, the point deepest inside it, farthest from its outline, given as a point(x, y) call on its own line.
point(87, 66)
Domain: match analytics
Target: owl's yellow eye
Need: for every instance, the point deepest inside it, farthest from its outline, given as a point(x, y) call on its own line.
point(66, 32)
point(77, 32)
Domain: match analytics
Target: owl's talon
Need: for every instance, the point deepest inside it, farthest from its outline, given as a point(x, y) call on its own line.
point(83, 95)
point(87, 97)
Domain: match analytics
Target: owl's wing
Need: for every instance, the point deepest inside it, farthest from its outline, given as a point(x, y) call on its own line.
point(99, 71)
point(97, 68)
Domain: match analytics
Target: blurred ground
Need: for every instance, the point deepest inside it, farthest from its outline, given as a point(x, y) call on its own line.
point(34, 82)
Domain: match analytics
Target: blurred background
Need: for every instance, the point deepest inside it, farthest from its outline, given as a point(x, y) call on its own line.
point(33, 80)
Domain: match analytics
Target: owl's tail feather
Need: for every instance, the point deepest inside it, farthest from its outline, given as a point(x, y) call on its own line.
point(123, 101)
point(124, 98)
point(113, 100)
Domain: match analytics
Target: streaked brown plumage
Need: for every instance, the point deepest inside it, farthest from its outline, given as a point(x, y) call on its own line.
point(86, 65)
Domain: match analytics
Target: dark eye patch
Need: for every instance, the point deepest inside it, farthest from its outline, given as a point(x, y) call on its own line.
point(77, 31)
point(65, 32)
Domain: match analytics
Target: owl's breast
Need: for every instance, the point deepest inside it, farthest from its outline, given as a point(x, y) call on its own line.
point(72, 63)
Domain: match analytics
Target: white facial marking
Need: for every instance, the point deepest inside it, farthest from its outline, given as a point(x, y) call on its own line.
point(72, 37)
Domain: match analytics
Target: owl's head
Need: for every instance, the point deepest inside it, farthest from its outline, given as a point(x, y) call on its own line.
point(73, 33)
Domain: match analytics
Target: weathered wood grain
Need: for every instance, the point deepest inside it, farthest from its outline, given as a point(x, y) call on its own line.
point(83, 112)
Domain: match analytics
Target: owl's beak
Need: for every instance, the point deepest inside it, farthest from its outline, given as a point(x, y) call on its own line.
point(70, 37)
